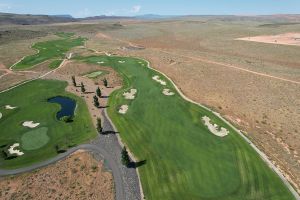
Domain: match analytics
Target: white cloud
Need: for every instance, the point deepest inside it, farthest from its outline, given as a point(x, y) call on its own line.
point(83, 13)
point(4, 7)
point(136, 9)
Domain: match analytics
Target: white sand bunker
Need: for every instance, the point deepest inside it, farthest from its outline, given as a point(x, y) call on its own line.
point(214, 128)
point(12, 150)
point(156, 78)
point(123, 109)
point(9, 107)
point(121, 61)
point(0, 115)
point(131, 94)
point(30, 124)
point(101, 62)
point(167, 92)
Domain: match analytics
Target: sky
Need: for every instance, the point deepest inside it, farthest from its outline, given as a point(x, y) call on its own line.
point(85, 8)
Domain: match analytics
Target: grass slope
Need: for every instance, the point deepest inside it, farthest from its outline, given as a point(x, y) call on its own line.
point(185, 160)
point(31, 100)
point(53, 49)
point(55, 64)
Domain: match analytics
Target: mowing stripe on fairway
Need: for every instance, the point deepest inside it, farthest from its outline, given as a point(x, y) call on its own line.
point(185, 160)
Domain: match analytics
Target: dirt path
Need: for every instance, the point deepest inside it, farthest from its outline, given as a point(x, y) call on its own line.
point(207, 61)
point(228, 66)
point(41, 76)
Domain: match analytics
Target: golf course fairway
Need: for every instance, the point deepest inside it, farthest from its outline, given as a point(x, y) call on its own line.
point(184, 160)
point(54, 50)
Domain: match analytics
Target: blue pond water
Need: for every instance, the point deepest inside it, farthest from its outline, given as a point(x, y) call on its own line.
point(67, 106)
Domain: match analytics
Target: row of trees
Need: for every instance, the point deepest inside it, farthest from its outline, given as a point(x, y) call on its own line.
point(125, 159)
point(105, 83)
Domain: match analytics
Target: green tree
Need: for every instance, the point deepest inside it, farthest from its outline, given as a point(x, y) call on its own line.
point(96, 101)
point(74, 81)
point(99, 126)
point(125, 157)
point(82, 88)
point(98, 92)
point(105, 82)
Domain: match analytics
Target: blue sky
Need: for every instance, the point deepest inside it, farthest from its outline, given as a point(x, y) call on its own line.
point(84, 8)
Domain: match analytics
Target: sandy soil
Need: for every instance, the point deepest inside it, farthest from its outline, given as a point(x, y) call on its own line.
point(167, 92)
point(9, 107)
point(13, 150)
point(131, 94)
point(30, 124)
point(123, 109)
point(79, 176)
point(285, 39)
point(214, 128)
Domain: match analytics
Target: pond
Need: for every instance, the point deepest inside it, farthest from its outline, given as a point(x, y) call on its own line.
point(67, 106)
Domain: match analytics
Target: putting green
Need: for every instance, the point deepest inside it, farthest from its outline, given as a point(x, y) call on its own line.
point(95, 74)
point(35, 139)
point(184, 160)
point(34, 106)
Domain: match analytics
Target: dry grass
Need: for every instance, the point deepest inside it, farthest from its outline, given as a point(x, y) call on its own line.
point(266, 108)
point(72, 178)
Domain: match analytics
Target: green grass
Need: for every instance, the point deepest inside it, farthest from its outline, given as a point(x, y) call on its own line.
point(55, 64)
point(183, 159)
point(35, 139)
point(64, 34)
point(31, 100)
point(53, 49)
point(95, 74)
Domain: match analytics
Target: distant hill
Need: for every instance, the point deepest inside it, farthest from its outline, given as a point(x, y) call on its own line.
point(65, 16)
point(27, 19)
point(103, 17)
point(153, 16)
point(19, 19)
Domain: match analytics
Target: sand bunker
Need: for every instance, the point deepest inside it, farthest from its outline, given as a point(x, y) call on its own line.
point(123, 109)
point(0, 115)
point(156, 78)
point(30, 124)
point(120, 61)
point(12, 150)
point(9, 107)
point(131, 94)
point(214, 128)
point(167, 92)
point(101, 62)
point(285, 39)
